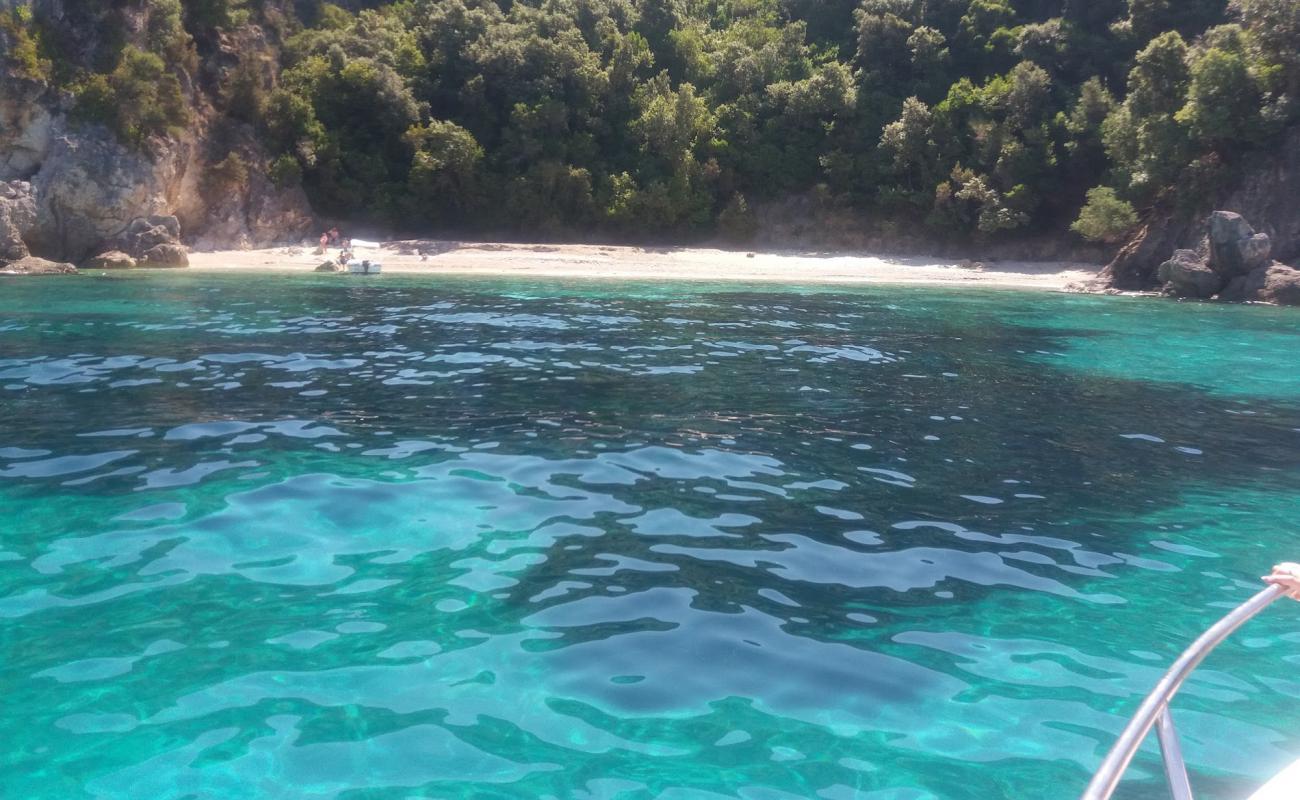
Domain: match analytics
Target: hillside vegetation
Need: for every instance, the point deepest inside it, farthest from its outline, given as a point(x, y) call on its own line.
point(676, 118)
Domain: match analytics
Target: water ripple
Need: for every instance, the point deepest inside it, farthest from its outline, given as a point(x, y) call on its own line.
point(403, 538)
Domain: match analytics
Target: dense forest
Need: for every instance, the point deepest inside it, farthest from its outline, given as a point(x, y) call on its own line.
point(966, 118)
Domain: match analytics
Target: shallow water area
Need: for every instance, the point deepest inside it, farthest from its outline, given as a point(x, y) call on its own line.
point(318, 536)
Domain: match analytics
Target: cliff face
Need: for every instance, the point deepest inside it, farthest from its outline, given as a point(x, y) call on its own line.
point(1266, 192)
point(87, 184)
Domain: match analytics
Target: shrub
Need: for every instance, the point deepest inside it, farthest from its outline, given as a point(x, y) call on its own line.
point(24, 53)
point(230, 174)
point(138, 99)
point(285, 171)
point(1105, 217)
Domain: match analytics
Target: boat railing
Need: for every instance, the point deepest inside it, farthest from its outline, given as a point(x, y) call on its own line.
point(1154, 711)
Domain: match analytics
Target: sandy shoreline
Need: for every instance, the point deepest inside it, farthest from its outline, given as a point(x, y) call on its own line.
point(637, 263)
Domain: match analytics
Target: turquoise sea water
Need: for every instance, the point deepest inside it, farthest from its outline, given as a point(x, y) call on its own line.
point(286, 536)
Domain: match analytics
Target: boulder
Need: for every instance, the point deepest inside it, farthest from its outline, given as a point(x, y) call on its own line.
point(165, 255)
point(1276, 283)
point(113, 259)
point(1255, 251)
point(1280, 285)
point(1235, 248)
point(31, 265)
point(330, 266)
point(145, 233)
point(1186, 275)
point(1239, 290)
point(1229, 226)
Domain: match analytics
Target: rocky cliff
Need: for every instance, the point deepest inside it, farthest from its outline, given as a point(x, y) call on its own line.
point(74, 185)
point(1265, 192)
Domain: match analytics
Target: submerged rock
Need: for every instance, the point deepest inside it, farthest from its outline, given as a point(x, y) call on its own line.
point(31, 265)
point(1187, 275)
point(113, 259)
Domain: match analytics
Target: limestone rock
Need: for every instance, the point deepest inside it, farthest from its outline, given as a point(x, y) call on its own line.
point(17, 218)
point(330, 266)
point(26, 128)
point(256, 211)
point(1228, 231)
point(1276, 283)
point(1281, 285)
point(1229, 226)
point(113, 259)
point(1255, 251)
point(165, 255)
point(31, 265)
point(90, 188)
point(1186, 275)
point(145, 233)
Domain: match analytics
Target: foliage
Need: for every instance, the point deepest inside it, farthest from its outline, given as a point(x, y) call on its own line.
point(228, 174)
point(19, 46)
point(285, 171)
point(736, 221)
point(1105, 217)
point(138, 99)
point(969, 118)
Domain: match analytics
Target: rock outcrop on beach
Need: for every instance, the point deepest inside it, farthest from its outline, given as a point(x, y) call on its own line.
point(31, 265)
point(1263, 197)
point(1188, 275)
point(73, 186)
point(113, 259)
point(1233, 263)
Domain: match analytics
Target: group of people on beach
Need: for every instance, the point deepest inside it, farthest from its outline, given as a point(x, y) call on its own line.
point(333, 238)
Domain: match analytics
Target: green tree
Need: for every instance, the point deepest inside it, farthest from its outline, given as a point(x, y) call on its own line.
point(138, 99)
point(1143, 136)
point(444, 181)
point(1106, 217)
point(1223, 100)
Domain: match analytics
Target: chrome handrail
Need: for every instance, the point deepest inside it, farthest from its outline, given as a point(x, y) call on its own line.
point(1155, 708)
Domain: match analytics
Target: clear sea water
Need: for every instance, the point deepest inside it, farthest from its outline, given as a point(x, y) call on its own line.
point(286, 536)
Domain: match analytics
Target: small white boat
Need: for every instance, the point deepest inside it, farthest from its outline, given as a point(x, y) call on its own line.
point(364, 257)
point(364, 266)
point(1285, 786)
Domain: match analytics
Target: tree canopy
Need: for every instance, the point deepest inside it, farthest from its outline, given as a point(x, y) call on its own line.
point(968, 118)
